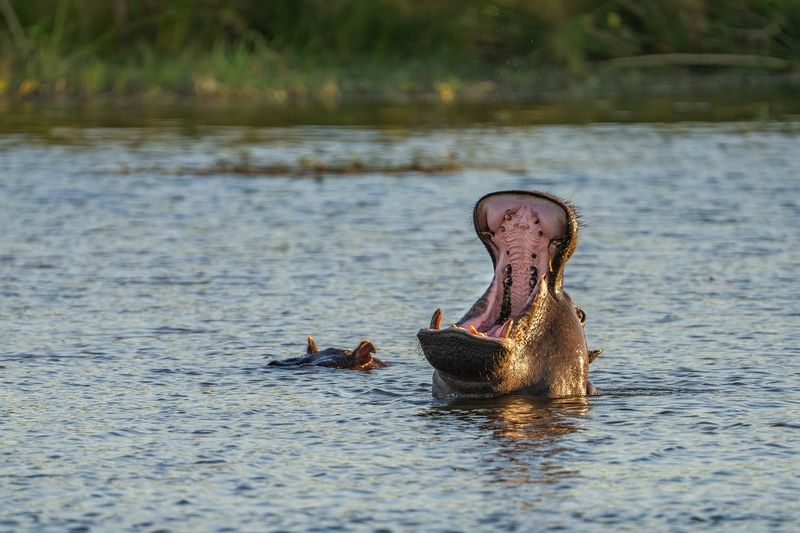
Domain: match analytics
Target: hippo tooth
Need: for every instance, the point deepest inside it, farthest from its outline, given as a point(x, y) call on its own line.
point(506, 331)
point(474, 331)
point(436, 319)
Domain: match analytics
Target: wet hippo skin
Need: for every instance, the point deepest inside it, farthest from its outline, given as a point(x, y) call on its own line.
point(524, 335)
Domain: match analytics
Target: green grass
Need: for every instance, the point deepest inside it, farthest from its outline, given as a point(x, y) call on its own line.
point(285, 51)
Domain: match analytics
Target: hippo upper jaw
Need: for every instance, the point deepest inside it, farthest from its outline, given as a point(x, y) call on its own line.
point(523, 334)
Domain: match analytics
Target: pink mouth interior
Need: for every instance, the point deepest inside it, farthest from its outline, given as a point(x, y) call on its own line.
point(524, 234)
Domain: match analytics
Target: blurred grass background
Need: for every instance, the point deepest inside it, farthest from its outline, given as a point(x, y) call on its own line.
point(285, 51)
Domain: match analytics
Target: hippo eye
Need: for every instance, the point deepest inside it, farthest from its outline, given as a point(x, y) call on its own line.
point(581, 314)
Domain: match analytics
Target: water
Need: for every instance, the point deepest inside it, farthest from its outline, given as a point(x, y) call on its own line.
point(142, 303)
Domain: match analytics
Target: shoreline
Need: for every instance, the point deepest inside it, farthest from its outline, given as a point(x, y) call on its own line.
point(438, 85)
point(532, 97)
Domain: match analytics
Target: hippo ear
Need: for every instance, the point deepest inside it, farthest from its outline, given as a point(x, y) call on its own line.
point(363, 352)
point(312, 345)
point(594, 353)
point(581, 314)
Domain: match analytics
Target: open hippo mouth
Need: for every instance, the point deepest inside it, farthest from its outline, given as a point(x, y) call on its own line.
point(518, 329)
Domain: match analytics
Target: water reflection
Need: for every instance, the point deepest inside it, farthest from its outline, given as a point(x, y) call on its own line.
point(528, 432)
point(48, 122)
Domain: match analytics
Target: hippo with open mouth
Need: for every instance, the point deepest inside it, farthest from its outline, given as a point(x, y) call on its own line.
point(359, 359)
point(524, 335)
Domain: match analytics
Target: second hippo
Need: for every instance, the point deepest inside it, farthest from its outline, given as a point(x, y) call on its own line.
point(359, 358)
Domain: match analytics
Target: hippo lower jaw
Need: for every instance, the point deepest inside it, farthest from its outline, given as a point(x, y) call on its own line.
point(523, 334)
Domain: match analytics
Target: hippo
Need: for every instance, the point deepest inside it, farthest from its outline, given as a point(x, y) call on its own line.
point(524, 334)
point(359, 359)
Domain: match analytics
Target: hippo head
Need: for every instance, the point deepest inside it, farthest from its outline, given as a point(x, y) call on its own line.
point(524, 334)
point(361, 358)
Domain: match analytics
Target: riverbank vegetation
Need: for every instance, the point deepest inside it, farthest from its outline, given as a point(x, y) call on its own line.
point(285, 51)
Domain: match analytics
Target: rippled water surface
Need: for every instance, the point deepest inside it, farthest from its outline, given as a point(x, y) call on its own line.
point(143, 296)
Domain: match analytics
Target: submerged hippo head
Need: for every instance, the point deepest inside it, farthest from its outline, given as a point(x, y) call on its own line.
point(358, 359)
point(524, 334)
